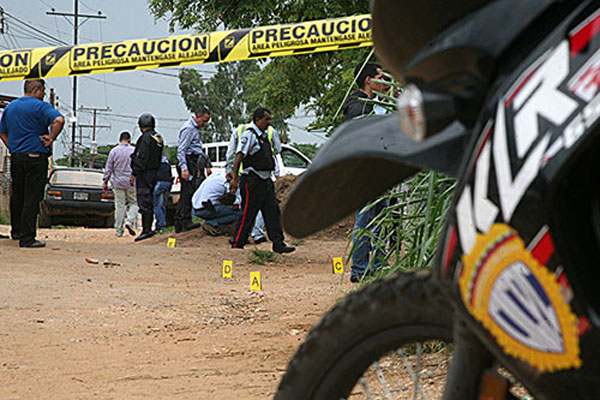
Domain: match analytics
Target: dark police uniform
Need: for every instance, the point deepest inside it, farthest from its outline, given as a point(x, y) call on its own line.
point(25, 120)
point(257, 189)
point(145, 162)
point(189, 151)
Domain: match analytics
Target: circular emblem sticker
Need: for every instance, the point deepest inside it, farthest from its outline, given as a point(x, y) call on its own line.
point(518, 300)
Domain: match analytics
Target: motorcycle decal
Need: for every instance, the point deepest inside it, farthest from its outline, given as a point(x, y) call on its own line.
point(519, 301)
point(583, 34)
point(583, 325)
point(586, 81)
point(534, 120)
point(542, 246)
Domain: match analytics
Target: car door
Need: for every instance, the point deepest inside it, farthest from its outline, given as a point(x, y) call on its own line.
point(292, 161)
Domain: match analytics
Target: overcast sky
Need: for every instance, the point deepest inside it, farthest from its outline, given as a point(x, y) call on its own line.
point(128, 94)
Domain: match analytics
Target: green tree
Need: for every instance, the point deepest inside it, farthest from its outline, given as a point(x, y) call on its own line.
point(224, 94)
point(171, 153)
point(317, 81)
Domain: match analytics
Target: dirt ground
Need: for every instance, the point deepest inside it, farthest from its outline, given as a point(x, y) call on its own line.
point(154, 322)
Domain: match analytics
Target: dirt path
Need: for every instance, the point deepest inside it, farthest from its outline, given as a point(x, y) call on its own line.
point(160, 323)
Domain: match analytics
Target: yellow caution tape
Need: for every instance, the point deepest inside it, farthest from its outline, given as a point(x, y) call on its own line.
point(223, 46)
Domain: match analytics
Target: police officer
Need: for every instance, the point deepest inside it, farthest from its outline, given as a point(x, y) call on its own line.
point(145, 162)
point(255, 184)
point(258, 234)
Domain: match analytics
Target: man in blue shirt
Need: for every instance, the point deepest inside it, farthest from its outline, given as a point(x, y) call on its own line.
point(24, 130)
point(188, 150)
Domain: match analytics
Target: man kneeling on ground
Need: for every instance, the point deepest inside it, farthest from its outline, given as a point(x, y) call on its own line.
point(215, 205)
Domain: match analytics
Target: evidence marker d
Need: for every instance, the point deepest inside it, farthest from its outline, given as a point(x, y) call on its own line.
point(227, 269)
point(171, 242)
point(337, 265)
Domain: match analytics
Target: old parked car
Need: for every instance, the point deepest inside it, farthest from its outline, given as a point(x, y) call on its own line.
point(74, 196)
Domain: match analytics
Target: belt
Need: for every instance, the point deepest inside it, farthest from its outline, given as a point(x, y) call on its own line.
point(33, 154)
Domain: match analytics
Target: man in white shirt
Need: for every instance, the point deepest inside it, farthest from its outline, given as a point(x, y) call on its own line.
point(208, 203)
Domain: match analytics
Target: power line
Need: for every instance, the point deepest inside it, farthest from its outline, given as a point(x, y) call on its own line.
point(137, 116)
point(131, 87)
point(161, 73)
point(59, 41)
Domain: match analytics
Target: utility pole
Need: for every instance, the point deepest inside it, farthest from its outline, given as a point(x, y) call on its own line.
point(75, 16)
point(1, 19)
point(94, 145)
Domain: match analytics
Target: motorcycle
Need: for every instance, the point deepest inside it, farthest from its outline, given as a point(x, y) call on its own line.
point(505, 96)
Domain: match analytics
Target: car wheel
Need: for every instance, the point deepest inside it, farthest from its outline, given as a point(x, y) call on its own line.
point(44, 220)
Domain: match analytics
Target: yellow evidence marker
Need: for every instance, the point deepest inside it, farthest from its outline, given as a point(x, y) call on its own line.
point(227, 268)
point(171, 242)
point(338, 265)
point(255, 283)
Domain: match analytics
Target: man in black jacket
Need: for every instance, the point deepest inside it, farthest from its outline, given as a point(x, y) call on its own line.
point(365, 259)
point(355, 106)
point(145, 162)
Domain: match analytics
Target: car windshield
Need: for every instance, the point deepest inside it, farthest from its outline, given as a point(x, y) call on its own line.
point(76, 178)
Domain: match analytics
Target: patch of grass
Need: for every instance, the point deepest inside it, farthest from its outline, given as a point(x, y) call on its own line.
point(260, 256)
point(168, 229)
point(297, 242)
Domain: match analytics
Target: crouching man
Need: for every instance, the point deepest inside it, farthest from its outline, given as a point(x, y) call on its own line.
point(215, 205)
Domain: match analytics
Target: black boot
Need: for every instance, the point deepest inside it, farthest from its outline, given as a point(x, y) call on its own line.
point(147, 231)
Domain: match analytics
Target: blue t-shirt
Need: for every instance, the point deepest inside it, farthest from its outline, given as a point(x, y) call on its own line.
point(25, 120)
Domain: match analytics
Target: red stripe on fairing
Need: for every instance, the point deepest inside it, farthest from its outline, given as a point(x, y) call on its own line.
point(543, 249)
point(512, 96)
point(243, 216)
point(583, 36)
point(450, 246)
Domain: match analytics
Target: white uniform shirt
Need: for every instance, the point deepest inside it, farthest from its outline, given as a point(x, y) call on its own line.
point(211, 189)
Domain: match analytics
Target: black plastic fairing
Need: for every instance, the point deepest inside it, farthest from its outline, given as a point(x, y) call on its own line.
point(448, 39)
point(364, 158)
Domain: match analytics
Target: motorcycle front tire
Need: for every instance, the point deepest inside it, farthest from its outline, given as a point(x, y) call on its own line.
point(367, 324)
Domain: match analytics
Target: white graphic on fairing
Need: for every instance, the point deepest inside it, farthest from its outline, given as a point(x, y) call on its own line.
point(540, 97)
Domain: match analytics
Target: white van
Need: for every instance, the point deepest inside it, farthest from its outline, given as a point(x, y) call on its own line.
point(291, 161)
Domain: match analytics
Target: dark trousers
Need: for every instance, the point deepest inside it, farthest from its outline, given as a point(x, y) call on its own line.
point(183, 216)
point(29, 174)
point(144, 187)
point(257, 194)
